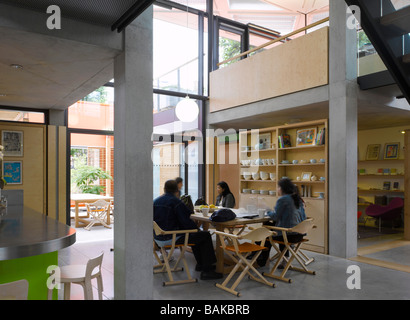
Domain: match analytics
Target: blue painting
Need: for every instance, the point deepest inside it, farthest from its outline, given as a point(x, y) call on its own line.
point(13, 172)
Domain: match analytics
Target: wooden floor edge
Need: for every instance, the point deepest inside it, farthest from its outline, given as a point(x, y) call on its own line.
point(382, 247)
point(383, 264)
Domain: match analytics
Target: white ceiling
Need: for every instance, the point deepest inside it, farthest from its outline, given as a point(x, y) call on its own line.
point(56, 72)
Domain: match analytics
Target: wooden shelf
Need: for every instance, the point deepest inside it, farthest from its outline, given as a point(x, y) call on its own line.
point(253, 150)
point(381, 175)
point(302, 148)
point(379, 191)
point(316, 207)
point(260, 166)
point(258, 194)
point(301, 164)
point(318, 182)
point(257, 180)
point(381, 160)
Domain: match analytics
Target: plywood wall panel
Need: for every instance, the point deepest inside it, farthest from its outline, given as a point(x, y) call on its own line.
point(33, 168)
point(297, 65)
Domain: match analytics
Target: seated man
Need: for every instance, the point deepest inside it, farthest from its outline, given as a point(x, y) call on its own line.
point(170, 213)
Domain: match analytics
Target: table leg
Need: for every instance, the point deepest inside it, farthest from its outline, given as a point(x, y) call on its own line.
point(108, 220)
point(220, 256)
point(77, 225)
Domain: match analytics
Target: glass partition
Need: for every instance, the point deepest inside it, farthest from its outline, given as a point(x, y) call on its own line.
point(22, 116)
point(94, 112)
point(176, 61)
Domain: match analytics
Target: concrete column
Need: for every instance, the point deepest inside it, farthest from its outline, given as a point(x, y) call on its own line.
point(133, 74)
point(342, 134)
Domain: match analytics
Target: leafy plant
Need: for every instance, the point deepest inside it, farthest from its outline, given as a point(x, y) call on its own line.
point(84, 177)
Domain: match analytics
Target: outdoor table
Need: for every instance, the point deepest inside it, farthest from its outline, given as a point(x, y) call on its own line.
point(87, 198)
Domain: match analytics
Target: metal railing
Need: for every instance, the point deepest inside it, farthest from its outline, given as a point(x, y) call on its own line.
point(280, 39)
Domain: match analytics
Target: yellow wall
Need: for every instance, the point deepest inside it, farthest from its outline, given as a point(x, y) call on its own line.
point(297, 65)
point(41, 145)
point(380, 136)
point(33, 164)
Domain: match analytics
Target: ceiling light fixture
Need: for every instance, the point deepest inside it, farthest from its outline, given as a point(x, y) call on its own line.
point(187, 110)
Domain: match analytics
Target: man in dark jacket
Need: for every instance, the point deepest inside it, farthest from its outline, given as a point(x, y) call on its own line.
point(170, 213)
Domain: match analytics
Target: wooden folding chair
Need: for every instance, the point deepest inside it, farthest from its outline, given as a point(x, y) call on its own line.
point(168, 250)
point(302, 228)
point(98, 212)
point(239, 252)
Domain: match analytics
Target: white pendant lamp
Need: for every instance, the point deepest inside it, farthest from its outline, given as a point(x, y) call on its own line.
point(187, 110)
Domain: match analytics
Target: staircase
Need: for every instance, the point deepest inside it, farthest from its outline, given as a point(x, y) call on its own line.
point(387, 25)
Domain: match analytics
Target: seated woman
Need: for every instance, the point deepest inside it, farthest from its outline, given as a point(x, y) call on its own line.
point(225, 197)
point(288, 213)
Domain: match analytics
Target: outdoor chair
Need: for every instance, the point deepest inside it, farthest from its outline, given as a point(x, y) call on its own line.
point(98, 211)
point(239, 251)
point(167, 250)
point(293, 248)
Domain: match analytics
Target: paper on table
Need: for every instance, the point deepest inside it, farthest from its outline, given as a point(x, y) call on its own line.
point(243, 213)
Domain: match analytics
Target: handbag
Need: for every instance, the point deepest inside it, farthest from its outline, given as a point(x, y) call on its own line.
point(223, 215)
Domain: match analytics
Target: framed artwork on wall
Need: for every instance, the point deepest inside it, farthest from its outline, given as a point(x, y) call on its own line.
point(373, 151)
point(12, 141)
point(265, 140)
point(391, 151)
point(306, 176)
point(306, 137)
point(13, 172)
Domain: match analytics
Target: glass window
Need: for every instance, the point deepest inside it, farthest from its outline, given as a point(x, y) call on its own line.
point(192, 154)
point(175, 50)
point(229, 46)
point(92, 161)
point(197, 4)
point(96, 111)
point(168, 161)
point(22, 116)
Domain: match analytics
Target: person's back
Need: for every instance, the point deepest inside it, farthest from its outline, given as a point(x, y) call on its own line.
point(170, 213)
point(286, 214)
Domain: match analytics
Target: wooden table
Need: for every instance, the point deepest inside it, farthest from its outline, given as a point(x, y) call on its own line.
point(220, 226)
point(87, 198)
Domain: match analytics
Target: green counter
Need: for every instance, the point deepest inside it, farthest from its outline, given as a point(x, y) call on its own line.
point(29, 244)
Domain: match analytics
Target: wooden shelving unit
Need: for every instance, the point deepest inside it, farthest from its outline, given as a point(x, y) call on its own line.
point(370, 183)
point(316, 207)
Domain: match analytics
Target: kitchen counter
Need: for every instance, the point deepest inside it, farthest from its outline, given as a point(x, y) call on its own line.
point(25, 233)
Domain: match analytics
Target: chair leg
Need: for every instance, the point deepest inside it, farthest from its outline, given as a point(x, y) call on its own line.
point(67, 290)
point(100, 287)
point(249, 266)
point(88, 290)
point(50, 294)
point(295, 254)
point(305, 258)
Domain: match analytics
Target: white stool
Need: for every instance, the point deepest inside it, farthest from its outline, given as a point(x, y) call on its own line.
point(82, 275)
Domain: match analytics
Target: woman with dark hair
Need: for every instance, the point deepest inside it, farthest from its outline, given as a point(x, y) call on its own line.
point(225, 197)
point(179, 182)
point(288, 213)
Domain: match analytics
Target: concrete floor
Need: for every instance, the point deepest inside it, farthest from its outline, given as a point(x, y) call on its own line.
point(329, 283)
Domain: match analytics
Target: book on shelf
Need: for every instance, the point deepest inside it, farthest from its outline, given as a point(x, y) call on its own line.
point(386, 185)
point(284, 141)
point(320, 137)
